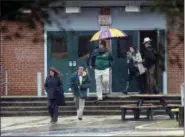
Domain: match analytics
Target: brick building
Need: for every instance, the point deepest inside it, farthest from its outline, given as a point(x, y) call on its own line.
point(64, 43)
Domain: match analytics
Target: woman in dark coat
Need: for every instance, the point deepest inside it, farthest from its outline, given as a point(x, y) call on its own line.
point(54, 89)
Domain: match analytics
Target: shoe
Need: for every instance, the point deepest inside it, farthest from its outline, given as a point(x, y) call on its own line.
point(125, 92)
point(79, 118)
point(53, 122)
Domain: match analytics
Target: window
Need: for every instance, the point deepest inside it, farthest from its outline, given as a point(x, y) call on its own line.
point(85, 47)
point(59, 48)
point(123, 46)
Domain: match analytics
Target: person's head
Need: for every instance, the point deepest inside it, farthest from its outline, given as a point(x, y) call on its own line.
point(133, 49)
point(53, 72)
point(80, 70)
point(147, 42)
point(102, 45)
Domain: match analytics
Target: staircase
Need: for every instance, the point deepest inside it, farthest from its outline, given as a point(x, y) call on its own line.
point(37, 106)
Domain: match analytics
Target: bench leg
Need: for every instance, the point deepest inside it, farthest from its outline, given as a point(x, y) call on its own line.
point(136, 114)
point(149, 114)
point(168, 111)
point(140, 102)
point(123, 113)
point(177, 116)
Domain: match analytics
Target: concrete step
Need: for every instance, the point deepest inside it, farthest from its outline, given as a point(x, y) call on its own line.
point(70, 97)
point(71, 103)
point(63, 108)
point(72, 113)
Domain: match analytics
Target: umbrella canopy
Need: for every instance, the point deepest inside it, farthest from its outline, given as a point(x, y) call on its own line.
point(107, 34)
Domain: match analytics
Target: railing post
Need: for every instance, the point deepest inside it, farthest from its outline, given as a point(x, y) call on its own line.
point(182, 94)
point(6, 83)
point(39, 84)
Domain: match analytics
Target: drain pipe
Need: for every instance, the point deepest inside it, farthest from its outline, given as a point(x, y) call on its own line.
point(6, 83)
point(39, 84)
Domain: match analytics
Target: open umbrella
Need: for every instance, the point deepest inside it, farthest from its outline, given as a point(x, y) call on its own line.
point(107, 34)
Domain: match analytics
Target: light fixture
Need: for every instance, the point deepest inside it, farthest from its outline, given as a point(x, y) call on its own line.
point(73, 9)
point(132, 8)
point(25, 11)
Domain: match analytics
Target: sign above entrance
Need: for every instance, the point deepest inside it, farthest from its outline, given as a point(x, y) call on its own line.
point(105, 20)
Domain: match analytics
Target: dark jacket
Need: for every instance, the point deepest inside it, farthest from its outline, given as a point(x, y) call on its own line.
point(54, 89)
point(77, 89)
point(94, 54)
point(150, 57)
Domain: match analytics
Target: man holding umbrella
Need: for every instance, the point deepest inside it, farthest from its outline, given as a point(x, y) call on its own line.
point(101, 60)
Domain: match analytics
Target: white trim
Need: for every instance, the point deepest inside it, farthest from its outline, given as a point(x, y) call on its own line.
point(139, 45)
point(165, 73)
point(45, 55)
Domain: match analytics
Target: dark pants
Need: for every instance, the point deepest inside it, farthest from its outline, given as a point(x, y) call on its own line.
point(141, 83)
point(151, 81)
point(53, 109)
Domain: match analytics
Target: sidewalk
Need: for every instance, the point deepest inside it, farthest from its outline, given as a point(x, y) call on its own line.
point(89, 126)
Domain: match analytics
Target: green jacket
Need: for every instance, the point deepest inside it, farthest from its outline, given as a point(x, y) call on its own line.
point(80, 90)
point(103, 61)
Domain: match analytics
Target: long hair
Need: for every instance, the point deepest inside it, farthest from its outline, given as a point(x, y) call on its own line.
point(135, 49)
point(57, 73)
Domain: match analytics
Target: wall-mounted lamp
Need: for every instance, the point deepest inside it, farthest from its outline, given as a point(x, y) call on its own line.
point(132, 9)
point(72, 9)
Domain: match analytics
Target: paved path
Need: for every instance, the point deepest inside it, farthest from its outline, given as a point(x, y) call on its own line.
point(89, 126)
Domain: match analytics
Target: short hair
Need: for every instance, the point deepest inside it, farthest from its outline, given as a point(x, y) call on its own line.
point(80, 67)
point(103, 42)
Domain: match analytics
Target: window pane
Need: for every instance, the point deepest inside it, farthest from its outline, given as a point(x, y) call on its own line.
point(84, 46)
point(123, 46)
point(59, 48)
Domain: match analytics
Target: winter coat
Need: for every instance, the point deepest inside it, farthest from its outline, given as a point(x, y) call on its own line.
point(94, 54)
point(80, 90)
point(135, 63)
point(54, 89)
point(150, 57)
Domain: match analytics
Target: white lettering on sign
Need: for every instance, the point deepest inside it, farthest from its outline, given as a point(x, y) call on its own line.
point(105, 20)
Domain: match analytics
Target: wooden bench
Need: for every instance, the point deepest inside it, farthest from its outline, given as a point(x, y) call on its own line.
point(136, 109)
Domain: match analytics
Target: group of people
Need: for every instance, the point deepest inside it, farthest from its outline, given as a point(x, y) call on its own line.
point(101, 60)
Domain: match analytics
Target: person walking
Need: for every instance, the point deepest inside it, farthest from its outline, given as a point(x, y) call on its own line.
point(101, 60)
point(150, 60)
point(79, 84)
point(54, 88)
point(135, 69)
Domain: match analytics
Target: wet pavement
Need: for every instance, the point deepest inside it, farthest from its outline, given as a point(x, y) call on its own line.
point(89, 126)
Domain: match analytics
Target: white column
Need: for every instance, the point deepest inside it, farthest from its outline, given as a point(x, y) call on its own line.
point(6, 83)
point(39, 84)
point(45, 55)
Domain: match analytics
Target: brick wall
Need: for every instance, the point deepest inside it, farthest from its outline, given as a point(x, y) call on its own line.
point(23, 56)
point(175, 64)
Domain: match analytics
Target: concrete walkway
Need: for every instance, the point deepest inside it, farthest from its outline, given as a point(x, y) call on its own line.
point(89, 126)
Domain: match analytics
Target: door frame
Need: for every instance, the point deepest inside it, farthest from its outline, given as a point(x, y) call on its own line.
point(165, 72)
point(165, 77)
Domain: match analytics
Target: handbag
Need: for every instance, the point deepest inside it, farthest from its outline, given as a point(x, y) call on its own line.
point(60, 98)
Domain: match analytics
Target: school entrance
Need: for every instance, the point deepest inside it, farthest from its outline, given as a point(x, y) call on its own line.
point(67, 50)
